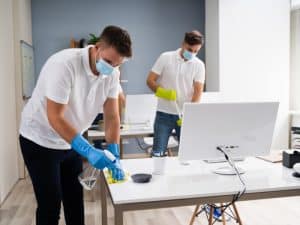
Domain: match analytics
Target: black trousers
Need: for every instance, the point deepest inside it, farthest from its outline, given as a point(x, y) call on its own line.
point(54, 178)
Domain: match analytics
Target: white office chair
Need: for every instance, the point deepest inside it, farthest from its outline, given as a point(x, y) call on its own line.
point(171, 144)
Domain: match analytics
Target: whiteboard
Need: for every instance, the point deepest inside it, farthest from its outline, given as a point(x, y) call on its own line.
point(27, 69)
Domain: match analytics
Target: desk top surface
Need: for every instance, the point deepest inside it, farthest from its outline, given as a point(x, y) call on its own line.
point(126, 131)
point(198, 180)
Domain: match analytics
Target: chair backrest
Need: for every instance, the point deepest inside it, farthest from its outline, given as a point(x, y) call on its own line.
point(140, 109)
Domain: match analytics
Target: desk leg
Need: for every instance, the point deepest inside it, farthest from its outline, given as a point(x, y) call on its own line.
point(118, 216)
point(103, 199)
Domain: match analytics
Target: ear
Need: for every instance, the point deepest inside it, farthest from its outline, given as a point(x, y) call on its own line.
point(98, 45)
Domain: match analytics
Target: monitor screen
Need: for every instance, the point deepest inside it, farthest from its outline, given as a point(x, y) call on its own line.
point(246, 126)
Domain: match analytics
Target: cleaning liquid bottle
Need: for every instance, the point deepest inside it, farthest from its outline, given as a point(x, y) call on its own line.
point(88, 177)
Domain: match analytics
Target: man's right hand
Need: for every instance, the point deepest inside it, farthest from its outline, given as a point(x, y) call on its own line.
point(96, 157)
point(168, 94)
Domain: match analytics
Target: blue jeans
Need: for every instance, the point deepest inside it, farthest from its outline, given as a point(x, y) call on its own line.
point(163, 126)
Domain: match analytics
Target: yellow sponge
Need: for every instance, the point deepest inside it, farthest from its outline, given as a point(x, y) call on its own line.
point(111, 180)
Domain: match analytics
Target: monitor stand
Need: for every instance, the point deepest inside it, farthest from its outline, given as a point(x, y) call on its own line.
point(184, 163)
point(227, 170)
point(222, 160)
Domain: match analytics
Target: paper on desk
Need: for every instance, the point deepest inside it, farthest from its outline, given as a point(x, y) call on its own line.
point(274, 156)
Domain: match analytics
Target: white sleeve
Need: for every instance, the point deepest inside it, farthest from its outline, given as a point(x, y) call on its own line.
point(158, 66)
point(200, 73)
point(120, 88)
point(114, 87)
point(59, 81)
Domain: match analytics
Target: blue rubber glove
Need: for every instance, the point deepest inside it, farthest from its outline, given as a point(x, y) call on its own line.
point(118, 173)
point(96, 157)
point(114, 149)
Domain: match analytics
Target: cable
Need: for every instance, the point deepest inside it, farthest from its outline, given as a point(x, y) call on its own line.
point(232, 164)
point(237, 196)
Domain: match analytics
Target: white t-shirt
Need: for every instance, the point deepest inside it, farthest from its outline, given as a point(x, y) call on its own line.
point(67, 78)
point(180, 75)
point(120, 89)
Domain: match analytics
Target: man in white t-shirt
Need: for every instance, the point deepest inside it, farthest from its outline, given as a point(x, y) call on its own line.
point(176, 77)
point(74, 85)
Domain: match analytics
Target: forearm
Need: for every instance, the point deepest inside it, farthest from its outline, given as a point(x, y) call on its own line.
point(152, 81)
point(112, 129)
point(152, 85)
point(63, 128)
point(198, 89)
point(121, 103)
point(196, 97)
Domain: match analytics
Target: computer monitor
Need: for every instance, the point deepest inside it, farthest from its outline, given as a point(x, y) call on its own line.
point(246, 126)
point(140, 109)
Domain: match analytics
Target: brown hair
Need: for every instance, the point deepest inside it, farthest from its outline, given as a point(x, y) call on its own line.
point(118, 38)
point(194, 38)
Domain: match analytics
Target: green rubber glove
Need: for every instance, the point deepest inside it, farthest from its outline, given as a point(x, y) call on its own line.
point(179, 122)
point(168, 94)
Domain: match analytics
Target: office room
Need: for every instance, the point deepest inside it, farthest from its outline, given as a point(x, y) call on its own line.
point(149, 112)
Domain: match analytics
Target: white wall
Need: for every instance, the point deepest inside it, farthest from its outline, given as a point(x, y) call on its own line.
point(22, 31)
point(295, 4)
point(254, 56)
point(211, 45)
point(295, 59)
point(8, 143)
point(15, 25)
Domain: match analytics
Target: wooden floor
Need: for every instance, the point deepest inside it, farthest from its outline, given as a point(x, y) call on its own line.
point(19, 209)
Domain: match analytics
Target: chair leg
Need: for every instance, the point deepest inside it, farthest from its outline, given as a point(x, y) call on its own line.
point(237, 214)
point(149, 151)
point(170, 153)
point(211, 212)
point(223, 215)
point(194, 214)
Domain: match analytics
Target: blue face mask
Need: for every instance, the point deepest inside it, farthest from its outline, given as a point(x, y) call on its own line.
point(104, 68)
point(188, 55)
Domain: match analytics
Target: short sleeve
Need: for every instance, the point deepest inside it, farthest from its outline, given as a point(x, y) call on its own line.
point(158, 66)
point(200, 73)
point(114, 87)
point(120, 88)
point(59, 81)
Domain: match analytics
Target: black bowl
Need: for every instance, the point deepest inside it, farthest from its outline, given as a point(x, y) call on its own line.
point(141, 177)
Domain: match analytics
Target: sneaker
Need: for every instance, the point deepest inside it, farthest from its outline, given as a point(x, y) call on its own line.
point(158, 154)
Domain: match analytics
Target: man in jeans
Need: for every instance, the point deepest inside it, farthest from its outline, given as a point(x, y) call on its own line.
point(176, 77)
point(74, 85)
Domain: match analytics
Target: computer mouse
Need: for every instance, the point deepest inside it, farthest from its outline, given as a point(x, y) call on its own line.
point(296, 167)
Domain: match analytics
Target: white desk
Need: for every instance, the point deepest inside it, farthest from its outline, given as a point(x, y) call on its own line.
point(127, 132)
point(124, 133)
point(195, 184)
